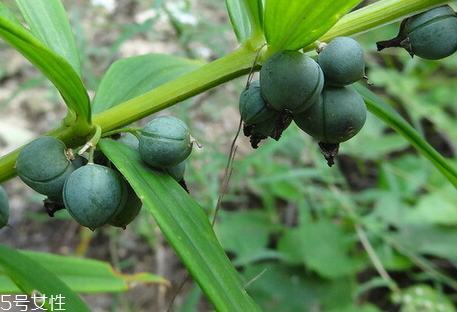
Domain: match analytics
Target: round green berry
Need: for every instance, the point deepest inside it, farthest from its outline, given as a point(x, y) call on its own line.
point(164, 142)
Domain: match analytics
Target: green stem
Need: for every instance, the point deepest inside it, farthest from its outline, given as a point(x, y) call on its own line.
point(208, 76)
point(376, 15)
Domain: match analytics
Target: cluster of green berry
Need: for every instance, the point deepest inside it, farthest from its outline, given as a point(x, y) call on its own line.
point(94, 192)
point(315, 94)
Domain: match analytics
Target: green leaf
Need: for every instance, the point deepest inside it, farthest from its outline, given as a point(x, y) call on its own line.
point(331, 259)
point(31, 277)
point(246, 17)
point(186, 227)
point(53, 66)
point(82, 275)
point(291, 25)
point(386, 113)
point(422, 297)
point(130, 77)
point(49, 23)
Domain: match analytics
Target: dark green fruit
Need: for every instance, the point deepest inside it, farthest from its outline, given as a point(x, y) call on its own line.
point(4, 208)
point(130, 140)
point(290, 80)
point(164, 142)
point(252, 106)
point(433, 34)
point(337, 116)
point(94, 194)
point(342, 61)
point(430, 35)
point(130, 209)
point(177, 171)
point(44, 166)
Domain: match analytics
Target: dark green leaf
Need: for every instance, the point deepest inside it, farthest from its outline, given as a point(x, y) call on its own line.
point(186, 227)
point(130, 77)
point(31, 277)
point(53, 66)
point(49, 23)
point(291, 25)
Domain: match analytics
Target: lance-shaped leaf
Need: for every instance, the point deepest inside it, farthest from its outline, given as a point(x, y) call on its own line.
point(392, 118)
point(82, 275)
point(246, 17)
point(133, 76)
point(186, 227)
point(49, 23)
point(32, 278)
point(291, 25)
point(53, 66)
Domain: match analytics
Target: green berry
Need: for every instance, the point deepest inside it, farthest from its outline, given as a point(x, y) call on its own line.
point(290, 80)
point(337, 116)
point(4, 208)
point(433, 34)
point(44, 166)
point(252, 106)
point(130, 210)
point(164, 142)
point(93, 195)
point(342, 61)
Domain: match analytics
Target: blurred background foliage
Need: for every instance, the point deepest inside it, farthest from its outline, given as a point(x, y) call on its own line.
point(376, 232)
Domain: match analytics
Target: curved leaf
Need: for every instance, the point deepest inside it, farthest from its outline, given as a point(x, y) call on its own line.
point(291, 25)
point(246, 17)
point(133, 76)
point(53, 66)
point(186, 227)
point(83, 275)
point(386, 113)
point(49, 23)
point(31, 277)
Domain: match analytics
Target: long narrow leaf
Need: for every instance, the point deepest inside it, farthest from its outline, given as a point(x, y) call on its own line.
point(386, 113)
point(246, 17)
point(291, 25)
point(53, 66)
point(49, 23)
point(82, 275)
point(31, 277)
point(186, 227)
point(133, 76)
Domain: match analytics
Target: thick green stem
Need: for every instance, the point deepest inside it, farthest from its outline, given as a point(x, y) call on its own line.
point(376, 15)
point(208, 76)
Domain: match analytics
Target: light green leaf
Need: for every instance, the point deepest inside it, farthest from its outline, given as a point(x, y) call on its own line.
point(130, 77)
point(82, 275)
point(49, 23)
point(186, 227)
point(246, 17)
point(31, 277)
point(422, 297)
point(291, 25)
point(386, 113)
point(53, 66)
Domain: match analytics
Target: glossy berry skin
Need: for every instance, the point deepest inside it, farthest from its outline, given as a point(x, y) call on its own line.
point(4, 207)
point(43, 165)
point(290, 80)
point(94, 194)
point(337, 116)
point(252, 106)
point(432, 35)
point(165, 141)
point(342, 61)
